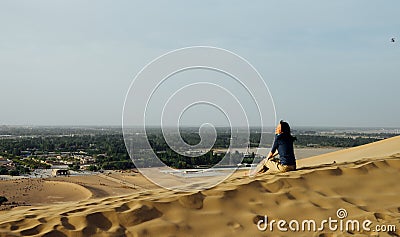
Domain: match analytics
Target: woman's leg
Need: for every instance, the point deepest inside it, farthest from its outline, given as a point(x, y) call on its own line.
point(266, 165)
point(259, 168)
point(273, 166)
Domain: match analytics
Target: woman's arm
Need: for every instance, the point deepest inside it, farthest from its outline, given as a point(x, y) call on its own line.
point(274, 149)
point(270, 155)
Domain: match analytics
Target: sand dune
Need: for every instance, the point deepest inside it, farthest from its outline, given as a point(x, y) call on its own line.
point(38, 191)
point(378, 149)
point(366, 188)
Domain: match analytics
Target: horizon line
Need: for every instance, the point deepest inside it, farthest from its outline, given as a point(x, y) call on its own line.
point(188, 126)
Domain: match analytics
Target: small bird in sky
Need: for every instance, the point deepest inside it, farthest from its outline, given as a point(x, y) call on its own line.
point(393, 40)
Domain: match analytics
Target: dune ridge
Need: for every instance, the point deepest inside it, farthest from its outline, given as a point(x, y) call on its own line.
point(383, 148)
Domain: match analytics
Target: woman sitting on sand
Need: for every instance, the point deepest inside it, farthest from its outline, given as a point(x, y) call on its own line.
point(283, 145)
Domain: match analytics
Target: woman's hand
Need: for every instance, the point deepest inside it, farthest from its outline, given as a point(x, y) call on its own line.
point(270, 155)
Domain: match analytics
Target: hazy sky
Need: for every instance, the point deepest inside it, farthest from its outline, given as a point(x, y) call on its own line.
point(327, 63)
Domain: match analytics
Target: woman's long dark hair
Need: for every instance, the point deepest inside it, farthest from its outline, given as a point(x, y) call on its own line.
point(285, 128)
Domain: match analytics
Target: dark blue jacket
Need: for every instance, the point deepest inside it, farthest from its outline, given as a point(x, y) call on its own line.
point(284, 143)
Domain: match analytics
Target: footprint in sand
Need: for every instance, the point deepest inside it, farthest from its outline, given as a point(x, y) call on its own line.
point(234, 225)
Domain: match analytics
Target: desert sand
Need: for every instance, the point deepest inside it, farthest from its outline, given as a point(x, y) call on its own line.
point(38, 191)
point(361, 180)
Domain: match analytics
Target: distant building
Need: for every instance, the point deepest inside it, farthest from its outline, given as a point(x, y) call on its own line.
point(5, 162)
point(59, 172)
point(218, 152)
point(312, 145)
point(84, 159)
